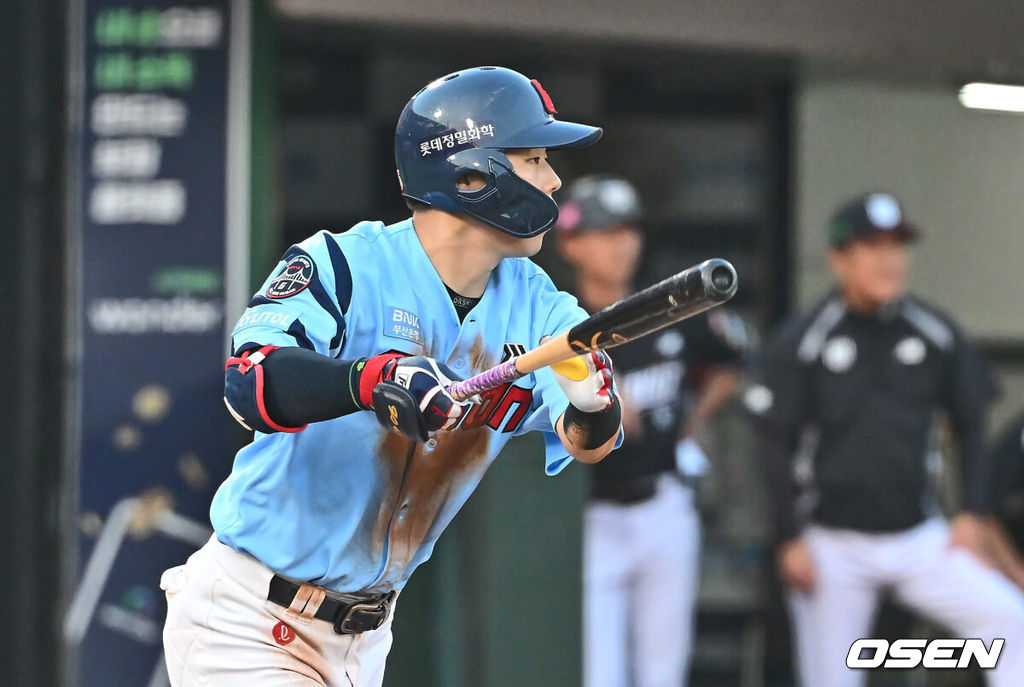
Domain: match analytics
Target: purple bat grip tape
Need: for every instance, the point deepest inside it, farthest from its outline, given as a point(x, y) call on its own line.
point(496, 376)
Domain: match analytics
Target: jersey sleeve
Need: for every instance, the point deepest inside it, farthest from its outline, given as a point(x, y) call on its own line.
point(969, 386)
point(967, 395)
point(1007, 461)
point(302, 303)
point(555, 312)
point(777, 403)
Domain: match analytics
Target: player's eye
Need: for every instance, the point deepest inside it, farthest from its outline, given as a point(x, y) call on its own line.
point(534, 160)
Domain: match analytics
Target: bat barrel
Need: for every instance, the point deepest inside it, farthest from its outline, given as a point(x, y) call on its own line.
point(719, 279)
point(683, 295)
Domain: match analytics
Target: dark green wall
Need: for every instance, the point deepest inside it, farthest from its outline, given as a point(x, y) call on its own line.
point(499, 604)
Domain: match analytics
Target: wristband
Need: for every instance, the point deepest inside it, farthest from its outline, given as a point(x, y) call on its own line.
point(592, 430)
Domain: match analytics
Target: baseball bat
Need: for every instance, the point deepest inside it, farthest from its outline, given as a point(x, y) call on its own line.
point(682, 295)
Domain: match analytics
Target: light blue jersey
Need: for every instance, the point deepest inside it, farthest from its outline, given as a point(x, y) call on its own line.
point(344, 503)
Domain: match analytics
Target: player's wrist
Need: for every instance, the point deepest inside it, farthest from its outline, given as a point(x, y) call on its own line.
point(589, 430)
point(366, 374)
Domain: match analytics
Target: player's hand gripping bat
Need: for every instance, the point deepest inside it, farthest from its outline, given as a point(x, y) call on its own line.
point(683, 295)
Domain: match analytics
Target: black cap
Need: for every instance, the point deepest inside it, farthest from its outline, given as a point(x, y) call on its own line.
point(596, 203)
point(869, 215)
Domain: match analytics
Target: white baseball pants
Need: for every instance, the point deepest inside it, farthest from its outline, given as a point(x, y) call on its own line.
point(222, 632)
point(639, 588)
point(924, 573)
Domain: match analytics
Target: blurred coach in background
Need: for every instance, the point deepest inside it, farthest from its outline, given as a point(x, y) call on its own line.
point(1008, 506)
point(847, 420)
point(642, 530)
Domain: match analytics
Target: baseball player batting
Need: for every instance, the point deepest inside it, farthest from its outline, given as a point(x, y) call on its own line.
point(342, 366)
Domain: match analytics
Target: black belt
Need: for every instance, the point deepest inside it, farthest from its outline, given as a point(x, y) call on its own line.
point(350, 614)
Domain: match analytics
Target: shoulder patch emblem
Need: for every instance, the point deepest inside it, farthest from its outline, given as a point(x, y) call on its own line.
point(295, 278)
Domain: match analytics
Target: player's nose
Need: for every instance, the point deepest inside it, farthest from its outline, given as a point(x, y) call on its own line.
point(554, 183)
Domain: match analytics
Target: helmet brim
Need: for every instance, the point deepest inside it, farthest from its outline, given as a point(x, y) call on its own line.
point(554, 135)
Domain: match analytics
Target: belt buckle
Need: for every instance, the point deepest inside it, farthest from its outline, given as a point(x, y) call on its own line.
point(381, 607)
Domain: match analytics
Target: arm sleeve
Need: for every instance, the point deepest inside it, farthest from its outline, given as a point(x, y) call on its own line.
point(303, 386)
point(968, 393)
point(777, 406)
point(556, 312)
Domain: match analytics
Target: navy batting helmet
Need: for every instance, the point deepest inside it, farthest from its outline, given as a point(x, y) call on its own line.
point(461, 123)
point(598, 202)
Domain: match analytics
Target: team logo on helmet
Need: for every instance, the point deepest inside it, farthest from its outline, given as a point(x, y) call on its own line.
point(295, 278)
point(549, 106)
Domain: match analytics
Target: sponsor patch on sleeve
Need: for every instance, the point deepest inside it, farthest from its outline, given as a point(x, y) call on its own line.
point(403, 325)
point(294, 279)
point(269, 314)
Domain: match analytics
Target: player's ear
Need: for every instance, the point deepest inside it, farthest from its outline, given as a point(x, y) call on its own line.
point(837, 261)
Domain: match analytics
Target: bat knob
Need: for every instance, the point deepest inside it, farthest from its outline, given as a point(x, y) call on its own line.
point(719, 277)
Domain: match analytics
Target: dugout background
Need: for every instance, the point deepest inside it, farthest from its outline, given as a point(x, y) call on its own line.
point(743, 122)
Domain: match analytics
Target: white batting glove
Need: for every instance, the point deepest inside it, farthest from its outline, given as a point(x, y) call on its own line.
point(587, 381)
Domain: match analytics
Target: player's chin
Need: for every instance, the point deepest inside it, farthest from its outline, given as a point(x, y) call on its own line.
point(526, 248)
point(887, 290)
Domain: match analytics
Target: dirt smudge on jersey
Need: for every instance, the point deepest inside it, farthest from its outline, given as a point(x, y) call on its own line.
point(422, 477)
point(421, 480)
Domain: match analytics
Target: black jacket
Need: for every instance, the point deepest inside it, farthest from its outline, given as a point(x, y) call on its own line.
point(848, 412)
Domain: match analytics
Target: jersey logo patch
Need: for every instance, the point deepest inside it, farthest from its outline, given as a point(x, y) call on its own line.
point(512, 350)
point(294, 279)
point(839, 354)
point(402, 324)
point(911, 351)
point(283, 634)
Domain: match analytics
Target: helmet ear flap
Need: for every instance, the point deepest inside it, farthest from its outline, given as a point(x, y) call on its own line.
point(507, 201)
point(477, 161)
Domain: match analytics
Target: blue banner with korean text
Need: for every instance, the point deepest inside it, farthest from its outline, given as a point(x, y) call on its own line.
point(151, 439)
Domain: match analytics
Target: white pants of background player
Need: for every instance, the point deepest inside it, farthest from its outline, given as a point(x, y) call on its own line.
point(222, 632)
point(639, 586)
point(924, 573)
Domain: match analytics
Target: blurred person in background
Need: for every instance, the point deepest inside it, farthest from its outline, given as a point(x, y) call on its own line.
point(642, 530)
point(846, 413)
point(1008, 507)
